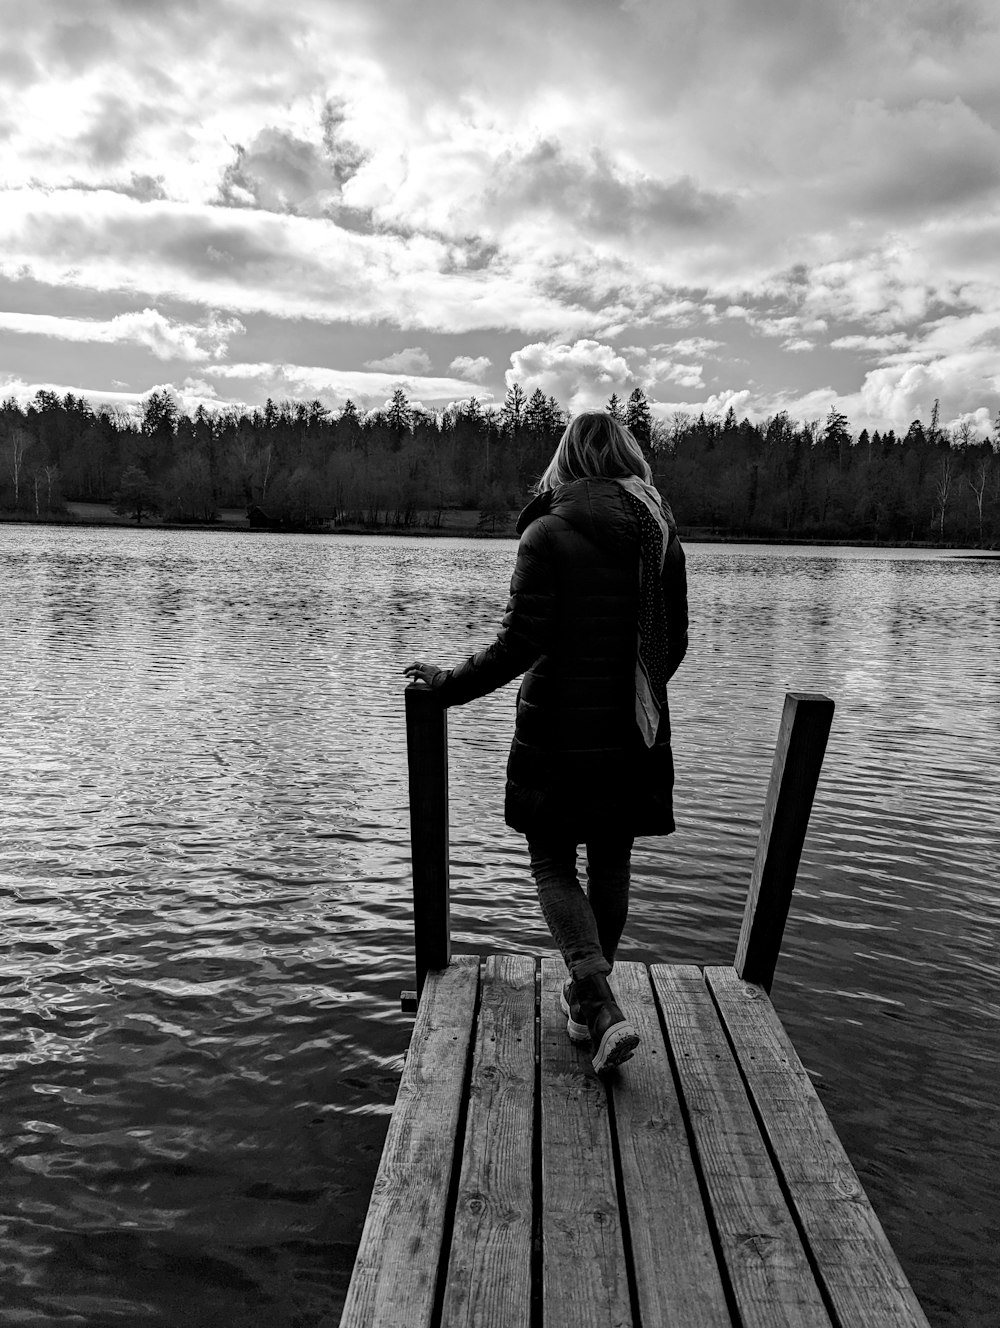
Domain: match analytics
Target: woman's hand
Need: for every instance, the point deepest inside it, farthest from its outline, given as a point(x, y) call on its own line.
point(428, 673)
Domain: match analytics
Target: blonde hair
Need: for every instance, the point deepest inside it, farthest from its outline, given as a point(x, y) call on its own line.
point(594, 446)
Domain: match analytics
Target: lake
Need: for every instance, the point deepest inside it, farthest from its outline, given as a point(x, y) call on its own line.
point(204, 865)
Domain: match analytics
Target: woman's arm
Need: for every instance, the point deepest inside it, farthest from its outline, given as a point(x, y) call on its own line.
point(523, 636)
point(674, 582)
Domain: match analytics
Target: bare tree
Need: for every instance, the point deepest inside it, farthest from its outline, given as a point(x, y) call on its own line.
point(253, 462)
point(678, 422)
point(18, 443)
point(51, 475)
point(977, 482)
point(942, 488)
point(964, 434)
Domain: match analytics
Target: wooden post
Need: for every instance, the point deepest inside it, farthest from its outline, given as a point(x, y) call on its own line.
point(798, 757)
point(427, 760)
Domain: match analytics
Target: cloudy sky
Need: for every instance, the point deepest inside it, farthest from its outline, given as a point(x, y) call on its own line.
point(779, 204)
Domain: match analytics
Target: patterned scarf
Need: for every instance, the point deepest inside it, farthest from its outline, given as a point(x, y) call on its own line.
point(651, 648)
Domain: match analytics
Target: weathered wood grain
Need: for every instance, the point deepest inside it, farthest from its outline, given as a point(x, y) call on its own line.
point(676, 1272)
point(585, 1283)
point(798, 758)
point(768, 1270)
point(395, 1273)
point(726, 1071)
point(427, 761)
point(489, 1271)
point(856, 1263)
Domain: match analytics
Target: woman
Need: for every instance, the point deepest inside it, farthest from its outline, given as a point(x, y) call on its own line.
point(597, 621)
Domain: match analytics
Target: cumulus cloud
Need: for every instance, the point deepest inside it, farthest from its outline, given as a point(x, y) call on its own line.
point(951, 359)
point(846, 185)
point(580, 375)
point(167, 339)
point(412, 360)
point(898, 393)
point(281, 171)
point(474, 369)
point(714, 406)
point(659, 373)
point(189, 394)
point(198, 387)
point(369, 389)
point(116, 400)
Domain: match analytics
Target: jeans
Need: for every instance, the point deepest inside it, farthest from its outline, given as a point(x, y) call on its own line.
point(585, 927)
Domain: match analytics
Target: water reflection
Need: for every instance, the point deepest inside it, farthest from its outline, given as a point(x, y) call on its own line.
point(204, 867)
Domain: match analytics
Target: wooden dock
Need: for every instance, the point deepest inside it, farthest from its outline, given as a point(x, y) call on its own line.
point(701, 1184)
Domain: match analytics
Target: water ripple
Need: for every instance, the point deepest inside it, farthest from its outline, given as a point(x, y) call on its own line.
point(204, 865)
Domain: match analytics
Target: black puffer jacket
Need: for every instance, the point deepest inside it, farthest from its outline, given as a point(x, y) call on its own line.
point(578, 764)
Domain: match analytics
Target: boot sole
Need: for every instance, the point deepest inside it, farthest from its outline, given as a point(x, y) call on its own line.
point(617, 1046)
point(577, 1032)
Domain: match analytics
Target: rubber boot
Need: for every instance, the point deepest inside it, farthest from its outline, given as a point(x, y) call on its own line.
point(612, 1037)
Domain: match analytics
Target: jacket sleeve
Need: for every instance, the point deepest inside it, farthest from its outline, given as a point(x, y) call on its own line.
point(524, 634)
point(674, 582)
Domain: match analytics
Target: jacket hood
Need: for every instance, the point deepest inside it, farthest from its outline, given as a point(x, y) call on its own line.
point(599, 509)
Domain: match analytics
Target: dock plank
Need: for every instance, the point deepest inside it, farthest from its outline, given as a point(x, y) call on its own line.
point(768, 1270)
point(856, 1263)
point(395, 1273)
point(676, 1273)
point(489, 1272)
point(585, 1283)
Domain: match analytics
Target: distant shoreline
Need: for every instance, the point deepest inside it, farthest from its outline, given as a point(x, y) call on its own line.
point(457, 524)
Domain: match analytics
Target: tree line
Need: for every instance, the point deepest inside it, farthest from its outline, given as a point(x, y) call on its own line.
point(301, 465)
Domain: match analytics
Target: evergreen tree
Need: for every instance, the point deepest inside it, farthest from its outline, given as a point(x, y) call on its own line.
point(399, 417)
point(557, 419)
point(347, 430)
point(864, 442)
point(639, 417)
point(772, 478)
point(159, 415)
point(159, 424)
point(934, 433)
point(514, 407)
point(836, 436)
point(536, 413)
point(614, 408)
point(915, 436)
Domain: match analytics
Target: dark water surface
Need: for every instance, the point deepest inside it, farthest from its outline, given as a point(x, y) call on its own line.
point(205, 895)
